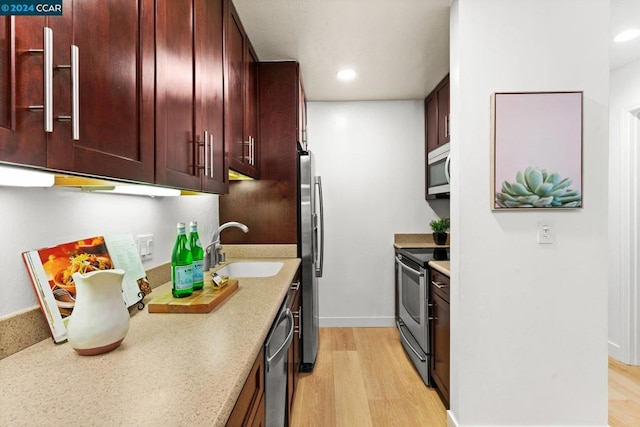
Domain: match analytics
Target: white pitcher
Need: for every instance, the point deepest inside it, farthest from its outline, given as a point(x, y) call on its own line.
point(100, 320)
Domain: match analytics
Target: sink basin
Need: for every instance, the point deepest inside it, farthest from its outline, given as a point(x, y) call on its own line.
point(251, 269)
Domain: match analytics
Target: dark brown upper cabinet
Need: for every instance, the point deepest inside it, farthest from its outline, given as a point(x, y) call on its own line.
point(80, 93)
point(241, 97)
point(437, 116)
point(252, 202)
point(437, 127)
point(189, 141)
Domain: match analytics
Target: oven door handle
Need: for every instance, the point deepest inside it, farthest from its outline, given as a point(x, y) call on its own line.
point(403, 265)
point(447, 166)
point(406, 340)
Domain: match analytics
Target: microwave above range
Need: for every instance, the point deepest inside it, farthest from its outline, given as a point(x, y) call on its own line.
point(438, 167)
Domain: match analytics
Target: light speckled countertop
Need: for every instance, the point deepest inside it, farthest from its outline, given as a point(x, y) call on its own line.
point(416, 240)
point(171, 369)
point(443, 267)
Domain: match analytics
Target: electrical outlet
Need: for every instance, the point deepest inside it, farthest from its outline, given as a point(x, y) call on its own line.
point(145, 245)
point(545, 232)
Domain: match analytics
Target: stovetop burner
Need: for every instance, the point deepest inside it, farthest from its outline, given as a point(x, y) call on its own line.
point(423, 255)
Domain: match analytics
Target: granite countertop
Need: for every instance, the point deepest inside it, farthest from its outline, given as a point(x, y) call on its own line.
point(171, 369)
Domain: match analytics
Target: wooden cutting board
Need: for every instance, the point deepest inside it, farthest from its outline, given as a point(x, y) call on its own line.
point(203, 301)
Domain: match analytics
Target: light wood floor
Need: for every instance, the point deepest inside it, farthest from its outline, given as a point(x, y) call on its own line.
point(363, 378)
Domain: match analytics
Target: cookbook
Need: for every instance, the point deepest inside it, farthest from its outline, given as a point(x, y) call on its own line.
point(51, 270)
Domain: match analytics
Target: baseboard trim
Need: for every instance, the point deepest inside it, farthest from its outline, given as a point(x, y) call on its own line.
point(357, 322)
point(451, 419)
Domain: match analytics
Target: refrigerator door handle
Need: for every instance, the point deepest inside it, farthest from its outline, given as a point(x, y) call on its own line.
point(320, 264)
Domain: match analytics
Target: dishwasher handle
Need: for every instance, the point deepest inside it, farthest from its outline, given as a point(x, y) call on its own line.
point(285, 345)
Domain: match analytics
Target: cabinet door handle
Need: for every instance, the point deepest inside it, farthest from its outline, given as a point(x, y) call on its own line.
point(47, 52)
point(206, 153)
point(75, 92)
point(446, 126)
point(211, 156)
point(439, 285)
point(295, 286)
point(252, 160)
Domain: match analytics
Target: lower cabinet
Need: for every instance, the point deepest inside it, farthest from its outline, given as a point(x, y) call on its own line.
point(249, 408)
point(440, 332)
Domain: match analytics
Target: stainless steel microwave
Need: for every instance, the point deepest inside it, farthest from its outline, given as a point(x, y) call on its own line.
point(438, 164)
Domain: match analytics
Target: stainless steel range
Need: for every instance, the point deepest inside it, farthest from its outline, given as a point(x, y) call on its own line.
point(413, 301)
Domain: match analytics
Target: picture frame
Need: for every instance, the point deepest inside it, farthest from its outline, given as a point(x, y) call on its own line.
point(536, 150)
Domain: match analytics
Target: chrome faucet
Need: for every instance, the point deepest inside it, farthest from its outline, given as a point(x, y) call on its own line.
point(214, 256)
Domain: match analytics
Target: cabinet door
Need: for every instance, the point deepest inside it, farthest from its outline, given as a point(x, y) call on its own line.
point(234, 93)
point(444, 133)
point(440, 330)
point(176, 102)
point(22, 133)
point(210, 73)
point(251, 112)
point(249, 408)
point(431, 122)
point(115, 40)
point(302, 114)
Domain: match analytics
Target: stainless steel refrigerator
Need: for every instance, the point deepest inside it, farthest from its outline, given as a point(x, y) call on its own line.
point(311, 251)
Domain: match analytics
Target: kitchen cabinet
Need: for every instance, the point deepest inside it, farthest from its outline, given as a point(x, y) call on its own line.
point(269, 206)
point(189, 95)
point(294, 349)
point(437, 116)
point(436, 121)
point(249, 409)
point(241, 97)
point(22, 136)
point(302, 114)
point(440, 332)
point(101, 119)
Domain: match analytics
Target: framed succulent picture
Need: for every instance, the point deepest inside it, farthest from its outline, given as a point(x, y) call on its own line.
point(536, 140)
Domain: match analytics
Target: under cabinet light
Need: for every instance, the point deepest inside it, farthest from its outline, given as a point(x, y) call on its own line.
point(140, 190)
point(22, 177)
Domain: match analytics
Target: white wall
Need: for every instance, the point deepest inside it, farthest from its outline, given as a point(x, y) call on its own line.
point(529, 321)
point(623, 220)
point(34, 218)
point(371, 159)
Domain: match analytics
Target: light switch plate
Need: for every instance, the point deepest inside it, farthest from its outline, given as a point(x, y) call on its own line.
point(545, 232)
point(145, 245)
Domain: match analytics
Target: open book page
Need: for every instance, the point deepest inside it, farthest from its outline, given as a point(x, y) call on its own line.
point(51, 270)
point(124, 253)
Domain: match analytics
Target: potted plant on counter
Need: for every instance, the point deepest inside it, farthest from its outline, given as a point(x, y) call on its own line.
point(440, 228)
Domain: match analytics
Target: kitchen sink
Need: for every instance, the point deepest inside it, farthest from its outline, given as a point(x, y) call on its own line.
point(251, 269)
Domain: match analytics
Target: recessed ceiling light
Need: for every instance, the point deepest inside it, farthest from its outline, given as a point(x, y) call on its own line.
point(627, 35)
point(346, 75)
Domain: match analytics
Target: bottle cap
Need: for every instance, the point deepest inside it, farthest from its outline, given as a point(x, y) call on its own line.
point(193, 224)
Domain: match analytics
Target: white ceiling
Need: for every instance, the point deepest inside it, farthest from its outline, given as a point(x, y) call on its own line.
point(399, 48)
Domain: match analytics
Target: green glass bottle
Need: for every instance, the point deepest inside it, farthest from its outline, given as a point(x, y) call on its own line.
point(197, 254)
point(181, 265)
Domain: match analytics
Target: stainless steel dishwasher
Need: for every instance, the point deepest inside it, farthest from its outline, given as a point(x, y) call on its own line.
point(276, 348)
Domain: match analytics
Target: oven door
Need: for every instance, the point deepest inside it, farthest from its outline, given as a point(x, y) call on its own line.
point(412, 300)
